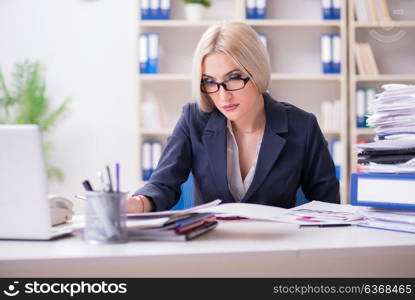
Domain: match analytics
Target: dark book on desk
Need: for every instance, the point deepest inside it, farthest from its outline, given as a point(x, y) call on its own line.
point(177, 229)
point(170, 234)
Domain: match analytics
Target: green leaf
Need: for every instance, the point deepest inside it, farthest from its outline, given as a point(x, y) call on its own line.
point(27, 103)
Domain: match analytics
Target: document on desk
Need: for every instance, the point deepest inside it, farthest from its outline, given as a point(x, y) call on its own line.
point(315, 212)
point(169, 213)
point(310, 213)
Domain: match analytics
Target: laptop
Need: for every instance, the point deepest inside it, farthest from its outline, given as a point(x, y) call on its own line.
point(24, 205)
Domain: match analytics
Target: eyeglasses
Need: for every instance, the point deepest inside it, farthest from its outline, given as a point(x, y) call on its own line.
point(208, 86)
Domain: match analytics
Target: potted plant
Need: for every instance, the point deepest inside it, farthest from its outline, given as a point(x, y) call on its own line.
point(195, 9)
point(27, 103)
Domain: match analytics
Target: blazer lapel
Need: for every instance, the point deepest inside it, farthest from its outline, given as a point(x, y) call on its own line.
point(214, 137)
point(272, 143)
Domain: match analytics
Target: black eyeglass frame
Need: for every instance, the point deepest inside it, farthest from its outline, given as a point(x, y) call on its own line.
point(223, 83)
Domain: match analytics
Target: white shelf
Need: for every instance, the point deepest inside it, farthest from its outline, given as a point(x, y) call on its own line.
point(157, 131)
point(294, 23)
point(176, 23)
point(265, 22)
point(274, 76)
point(164, 77)
point(385, 77)
point(392, 24)
point(297, 76)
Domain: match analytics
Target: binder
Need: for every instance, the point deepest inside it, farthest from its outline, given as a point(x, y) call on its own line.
point(143, 55)
point(335, 10)
point(165, 6)
point(261, 9)
point(156, 150)
point(146, 162)
point(326, 53)
point(337, 157)
point(154, 9)
point(370, 95)
point(153, 53)
point(360, 107)
point(263, 38)
point(336, 53)
point(326, 9)
point(250, 9)
point(145, 9)
point(391, 191)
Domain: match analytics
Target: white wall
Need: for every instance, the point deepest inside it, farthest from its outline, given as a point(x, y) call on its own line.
point(88, 49)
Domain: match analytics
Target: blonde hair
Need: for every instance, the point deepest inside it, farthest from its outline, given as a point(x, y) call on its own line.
point(243, 45)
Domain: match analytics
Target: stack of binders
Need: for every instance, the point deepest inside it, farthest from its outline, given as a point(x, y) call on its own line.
point(331, 53)
point(155, 9)
point(151, 153)
point(256, 9)
point(179, 227)
point(149, 53)
point(330, 9)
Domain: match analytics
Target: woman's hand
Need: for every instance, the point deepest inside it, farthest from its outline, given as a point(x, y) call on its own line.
point(139, 204)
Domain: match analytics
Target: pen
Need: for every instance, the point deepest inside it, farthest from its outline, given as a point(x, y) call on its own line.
point(80, 197)
point(87, 185)
point(109, 179)
point(101, 179)
point(117, 177)
point(326, 225)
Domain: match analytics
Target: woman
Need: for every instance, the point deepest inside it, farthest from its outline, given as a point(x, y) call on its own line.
point(239, 143)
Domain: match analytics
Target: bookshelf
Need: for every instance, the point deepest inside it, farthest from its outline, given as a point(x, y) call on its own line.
point(392, 43)
point(296, 68)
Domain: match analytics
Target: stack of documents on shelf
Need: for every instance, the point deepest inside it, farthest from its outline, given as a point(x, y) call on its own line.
point(393, 120)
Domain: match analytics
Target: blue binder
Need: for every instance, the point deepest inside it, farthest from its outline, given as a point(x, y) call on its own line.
point(335, 9)
point(336, 53)
point(392, 191)
point(326, 53)
point(146, 161)
point(326, 9)
point(153, 53)
point(143, 54)
point(164, 9)
point(261, 9)
point(145, 9)
point(250, 9)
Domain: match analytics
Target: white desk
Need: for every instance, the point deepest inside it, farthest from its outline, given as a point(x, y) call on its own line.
point(234, 249)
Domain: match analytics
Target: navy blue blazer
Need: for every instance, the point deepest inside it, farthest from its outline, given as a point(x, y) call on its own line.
point(293, 153)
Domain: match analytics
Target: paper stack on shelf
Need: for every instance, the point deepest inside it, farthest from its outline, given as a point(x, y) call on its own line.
point(393, 121)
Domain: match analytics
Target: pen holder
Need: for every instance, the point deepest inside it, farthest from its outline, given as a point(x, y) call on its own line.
point(105, 218)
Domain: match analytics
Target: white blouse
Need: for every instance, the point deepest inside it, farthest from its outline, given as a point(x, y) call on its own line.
point(237, 186)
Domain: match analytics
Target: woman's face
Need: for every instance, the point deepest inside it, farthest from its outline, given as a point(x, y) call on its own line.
point(234, 105)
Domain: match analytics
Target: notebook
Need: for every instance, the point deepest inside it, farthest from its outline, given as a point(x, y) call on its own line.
point(25, 211)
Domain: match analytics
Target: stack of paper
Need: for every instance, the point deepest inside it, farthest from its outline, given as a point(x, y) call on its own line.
point(396, 220)
point(393, 120)
point(177, 227)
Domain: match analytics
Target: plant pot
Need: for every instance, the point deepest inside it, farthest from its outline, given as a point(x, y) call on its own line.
point(194, 11)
